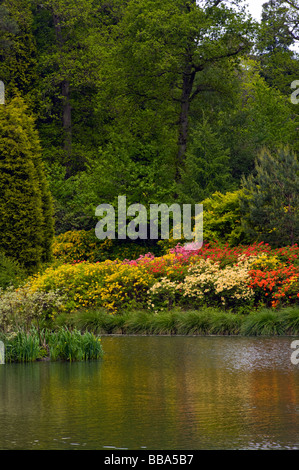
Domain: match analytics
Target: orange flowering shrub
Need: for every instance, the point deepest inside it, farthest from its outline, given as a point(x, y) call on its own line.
point(275, 286)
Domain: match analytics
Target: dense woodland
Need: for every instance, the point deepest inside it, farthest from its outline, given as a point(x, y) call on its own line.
point(158, 100)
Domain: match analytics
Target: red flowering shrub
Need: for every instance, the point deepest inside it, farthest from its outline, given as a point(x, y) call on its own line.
point(275, 286)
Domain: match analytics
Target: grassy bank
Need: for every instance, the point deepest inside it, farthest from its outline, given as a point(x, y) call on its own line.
point(204, 321)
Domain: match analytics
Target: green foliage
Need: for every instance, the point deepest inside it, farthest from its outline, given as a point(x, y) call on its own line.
point(83, 245)
point(181, 115)
point(203, 321)
point(18, 63)
point(171, 52)
point(222, 219)
point(26, 224)
point(259, 116)
point(11, 272)
point(265, 322)
point(66, 34)
point(207, 165)
point(275, 41)
point(72, 345)
point(270, 200)
point(8, 28)
point(22, 346)
point(273, 124)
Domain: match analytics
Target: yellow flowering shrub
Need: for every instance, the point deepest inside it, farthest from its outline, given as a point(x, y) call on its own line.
point(232, 283)
point(265, 261)
point(126, 286)
point(82, 245)
point(163, 294)
point(214, 277)
point(109, 284)
point(200, 279)
point(81, 283)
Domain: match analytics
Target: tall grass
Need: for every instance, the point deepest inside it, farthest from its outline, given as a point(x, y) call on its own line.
point(290, 320)
point(205, 321)
point(263, 323)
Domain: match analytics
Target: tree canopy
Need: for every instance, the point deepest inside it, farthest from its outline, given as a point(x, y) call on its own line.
point(158, 100)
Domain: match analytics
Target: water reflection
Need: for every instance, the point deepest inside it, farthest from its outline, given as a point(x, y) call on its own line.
point(156, 393)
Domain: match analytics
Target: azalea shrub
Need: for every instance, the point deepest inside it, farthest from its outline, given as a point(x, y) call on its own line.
point(81, 283)
point(126, 287)
point(110, 284)
point(206, 283)
point(236, 279)
point(275, 286)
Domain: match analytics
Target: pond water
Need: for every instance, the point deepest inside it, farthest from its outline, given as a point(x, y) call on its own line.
point(156, 393)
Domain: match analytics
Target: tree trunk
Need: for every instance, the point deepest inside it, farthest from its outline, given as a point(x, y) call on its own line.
point(66, 105)
point(188, 80)
point(67, 124)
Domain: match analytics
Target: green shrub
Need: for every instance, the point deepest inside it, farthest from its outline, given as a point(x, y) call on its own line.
point(222, 219)
point(97, 321)
point(202, 321)
point(11, 273)
point(263, 323)
point(83, 245)
point(63, 344)
point(23, 347)
point(270, 198)
point(290, 320)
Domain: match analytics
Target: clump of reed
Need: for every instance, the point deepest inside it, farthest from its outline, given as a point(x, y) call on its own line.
point(62, 344)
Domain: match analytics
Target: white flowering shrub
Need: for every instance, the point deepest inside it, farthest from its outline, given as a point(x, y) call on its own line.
point(19, 307)
point(163, 293)
point(206, 283)
point(200, 280)
point(232, 284)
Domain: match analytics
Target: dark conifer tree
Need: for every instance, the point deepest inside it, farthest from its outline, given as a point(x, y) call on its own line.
point(270, 205)
point(26, 224)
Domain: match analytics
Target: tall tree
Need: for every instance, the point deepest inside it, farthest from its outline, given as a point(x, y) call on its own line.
point(207, 167)
point(275, 46)
point(18, 56)
point(260, 116)
point(168, 52)
point(292, 16)
point(7, 27)
point(67, 70)
point(26, 223)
